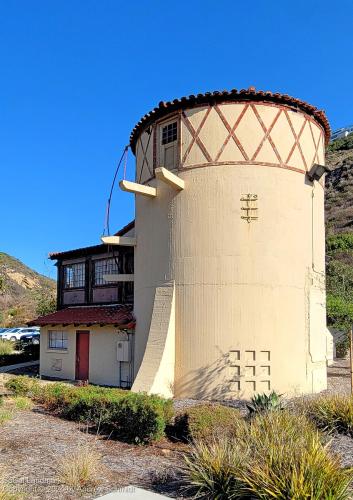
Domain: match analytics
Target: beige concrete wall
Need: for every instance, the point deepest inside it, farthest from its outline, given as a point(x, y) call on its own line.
point(58, 363)
point(104, 368)
point(156, 373)
point(103, 365)
point(250, 298)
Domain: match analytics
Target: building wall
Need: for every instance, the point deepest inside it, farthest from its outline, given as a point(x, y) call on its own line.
point(58, 363)
point(104, 369)
point(250, 296)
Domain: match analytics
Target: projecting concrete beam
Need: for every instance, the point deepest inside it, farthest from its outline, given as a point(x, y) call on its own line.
point(124, 241)
point(118, 277)
point(134, 187)
point(169, 178)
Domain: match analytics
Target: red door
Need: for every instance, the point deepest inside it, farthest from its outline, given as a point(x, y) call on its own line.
point(82, 355)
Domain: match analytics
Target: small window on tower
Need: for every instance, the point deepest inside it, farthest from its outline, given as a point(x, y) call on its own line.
point(170, 133)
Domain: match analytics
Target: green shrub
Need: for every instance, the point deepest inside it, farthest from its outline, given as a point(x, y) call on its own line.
point(277, 455)
point(331, 413)
point(90, 404)
point(8, 356)
point(339, 242)
point(265, 402)
point(22, 385)
point(205, 421)
point(339, 312)
point(342, 347)
point(137, 418)
point(341, 144)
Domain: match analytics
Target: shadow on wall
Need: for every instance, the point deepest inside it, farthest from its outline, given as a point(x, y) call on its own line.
point(216, 381)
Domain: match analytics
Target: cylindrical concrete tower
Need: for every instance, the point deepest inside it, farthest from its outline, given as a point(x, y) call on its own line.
point(230, 250)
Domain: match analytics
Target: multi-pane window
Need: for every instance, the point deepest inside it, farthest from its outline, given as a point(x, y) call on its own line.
point(57, 339)
point(170, 133)
point(102, 268)
point(74, 275)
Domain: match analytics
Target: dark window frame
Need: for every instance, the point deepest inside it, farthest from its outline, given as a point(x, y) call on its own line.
point(64, 340)
point(169, 133)
point(94, 272)
point(82, 276)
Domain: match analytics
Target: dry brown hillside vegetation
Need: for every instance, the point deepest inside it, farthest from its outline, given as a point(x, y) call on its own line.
point(24, 293)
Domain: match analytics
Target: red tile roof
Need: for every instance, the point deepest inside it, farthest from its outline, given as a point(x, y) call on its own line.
point(121, 315)
point(250, 94)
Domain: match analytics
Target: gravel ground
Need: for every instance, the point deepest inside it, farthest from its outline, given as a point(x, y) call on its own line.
point(33, 442)
point(339, 377)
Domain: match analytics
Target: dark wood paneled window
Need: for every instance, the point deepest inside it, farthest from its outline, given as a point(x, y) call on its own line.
point(74, 275)
point(170, 133)
point(104, 267)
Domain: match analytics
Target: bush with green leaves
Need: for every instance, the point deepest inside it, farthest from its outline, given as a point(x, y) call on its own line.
point(265, 402)
point(205, 421)
point(140, 418)
point(341, 144)
point(339, 242)
point(22, 385)
point(134, 417)
point(278, 455)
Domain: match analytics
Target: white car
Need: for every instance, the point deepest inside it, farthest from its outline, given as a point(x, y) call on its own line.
point(17, 333)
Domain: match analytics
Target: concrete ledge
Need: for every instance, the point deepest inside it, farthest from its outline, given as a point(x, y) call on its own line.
point(118, 277)
point(134, 187)
point(169, 178)
point(119, 240)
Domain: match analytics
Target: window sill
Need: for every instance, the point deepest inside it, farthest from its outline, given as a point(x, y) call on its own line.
point(59, 351)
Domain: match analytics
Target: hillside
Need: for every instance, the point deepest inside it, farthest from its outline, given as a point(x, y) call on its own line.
point(339, 236)
point(339, 186)
point(23, 292)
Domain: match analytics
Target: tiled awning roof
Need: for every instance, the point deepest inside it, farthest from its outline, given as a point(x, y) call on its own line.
point(234, 95)
point(121, 316)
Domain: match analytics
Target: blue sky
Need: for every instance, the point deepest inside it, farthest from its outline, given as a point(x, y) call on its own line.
point(75, 77)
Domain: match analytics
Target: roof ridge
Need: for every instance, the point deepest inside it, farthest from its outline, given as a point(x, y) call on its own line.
point(165, 107)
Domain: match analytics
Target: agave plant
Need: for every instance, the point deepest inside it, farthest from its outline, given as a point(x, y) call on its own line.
point(265, 402)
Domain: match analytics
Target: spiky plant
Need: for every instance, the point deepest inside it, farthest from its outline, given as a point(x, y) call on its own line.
point(265, 402)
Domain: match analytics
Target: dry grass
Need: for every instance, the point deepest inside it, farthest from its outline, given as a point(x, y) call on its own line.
point(6, 347)
point(5, 415)
point(5, 492)
point(80, 469)
point(23, 403)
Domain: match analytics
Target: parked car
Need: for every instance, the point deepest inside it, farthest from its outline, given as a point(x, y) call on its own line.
point(30, 338)
point(17, 333)
point(2, 331)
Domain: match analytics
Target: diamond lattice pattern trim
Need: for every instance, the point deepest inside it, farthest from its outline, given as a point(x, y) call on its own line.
point(249, 133)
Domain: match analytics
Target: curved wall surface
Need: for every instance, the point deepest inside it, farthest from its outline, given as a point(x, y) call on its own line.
point(244, 245)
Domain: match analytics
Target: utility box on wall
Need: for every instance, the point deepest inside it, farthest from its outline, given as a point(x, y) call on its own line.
point(123, 350)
